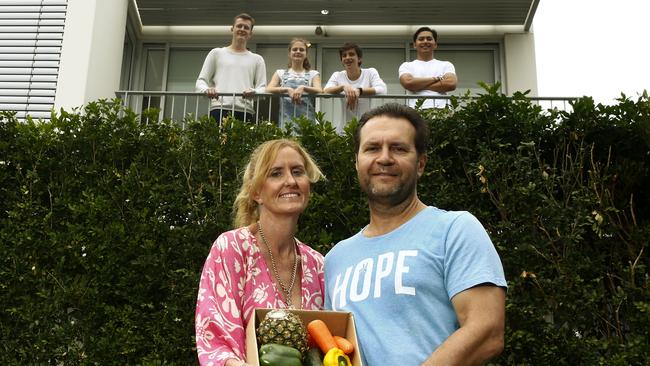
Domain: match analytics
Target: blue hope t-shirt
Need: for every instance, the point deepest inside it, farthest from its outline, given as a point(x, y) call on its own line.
point(399, 285)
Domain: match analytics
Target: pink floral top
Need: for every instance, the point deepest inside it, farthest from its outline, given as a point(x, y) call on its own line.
point(235, 281)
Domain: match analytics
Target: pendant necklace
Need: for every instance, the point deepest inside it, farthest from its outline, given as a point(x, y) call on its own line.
point(287, 290)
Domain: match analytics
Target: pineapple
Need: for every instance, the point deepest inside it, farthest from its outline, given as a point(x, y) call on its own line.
point(282, 327)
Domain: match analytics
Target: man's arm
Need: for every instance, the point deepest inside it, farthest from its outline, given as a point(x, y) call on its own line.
point(332, 85)
point(377, 85)
point(260, 77)
point(481, 314)
point(439, 84)
point(204, 80)
point(414, 84)
point(334, 89)
point(446, 83)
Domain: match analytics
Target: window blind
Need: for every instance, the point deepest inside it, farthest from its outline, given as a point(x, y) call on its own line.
point(31, 35)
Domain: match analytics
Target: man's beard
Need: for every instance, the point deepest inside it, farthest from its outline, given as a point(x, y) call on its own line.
point(392, 196)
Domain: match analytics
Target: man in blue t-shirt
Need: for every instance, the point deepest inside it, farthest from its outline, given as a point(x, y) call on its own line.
point(426, 286)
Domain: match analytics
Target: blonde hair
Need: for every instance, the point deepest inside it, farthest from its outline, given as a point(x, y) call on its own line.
point(305, 62)
point(245, 208)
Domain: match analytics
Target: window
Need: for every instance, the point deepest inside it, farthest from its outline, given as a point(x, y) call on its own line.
point(184, 67)
point(153, 79)
point(154, 69)
point(127, 60)
point(30, 50)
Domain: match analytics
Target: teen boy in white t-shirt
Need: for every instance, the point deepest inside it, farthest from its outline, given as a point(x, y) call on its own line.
point(354, 81)
point(425, 75)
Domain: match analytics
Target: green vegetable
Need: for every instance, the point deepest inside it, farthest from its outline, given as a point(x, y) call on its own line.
point(314, 357)
point(272, 354)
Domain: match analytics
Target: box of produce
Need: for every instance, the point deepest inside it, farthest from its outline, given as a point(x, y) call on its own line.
point(301, 337)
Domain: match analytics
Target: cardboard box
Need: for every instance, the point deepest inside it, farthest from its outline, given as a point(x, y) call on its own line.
point(340, 323)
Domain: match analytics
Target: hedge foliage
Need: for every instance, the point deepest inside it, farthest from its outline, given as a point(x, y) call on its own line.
point(106, 218)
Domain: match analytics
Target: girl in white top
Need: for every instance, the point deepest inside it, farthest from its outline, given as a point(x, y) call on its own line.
point(354, 81)
point(295, 81)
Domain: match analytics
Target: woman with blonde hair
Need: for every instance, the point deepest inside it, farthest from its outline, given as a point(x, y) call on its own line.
point(260, 264)
point(295, 81)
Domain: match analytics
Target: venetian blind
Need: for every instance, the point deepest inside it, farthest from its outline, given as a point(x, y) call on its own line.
point(31, 34)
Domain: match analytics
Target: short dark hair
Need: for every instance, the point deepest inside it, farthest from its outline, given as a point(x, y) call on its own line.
point(244, 16)
point(349, 46)
point(425, 29)
point(396, 110)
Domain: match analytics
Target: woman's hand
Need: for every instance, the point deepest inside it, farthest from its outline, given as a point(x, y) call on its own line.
point(234, 362)
point(296, 94)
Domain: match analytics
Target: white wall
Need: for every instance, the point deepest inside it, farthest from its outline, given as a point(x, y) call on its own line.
point(91, 57)
point(520, 67)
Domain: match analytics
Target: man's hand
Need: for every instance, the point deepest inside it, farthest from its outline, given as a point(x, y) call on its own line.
point(211, 92)
point(351, 96)
point(444, 83)
point(248, 93)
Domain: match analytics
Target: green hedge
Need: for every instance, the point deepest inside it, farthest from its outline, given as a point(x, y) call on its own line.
point(106, 219)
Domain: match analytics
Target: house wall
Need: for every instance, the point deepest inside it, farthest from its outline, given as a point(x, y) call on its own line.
point(520, 66)
point(87, 62)
point(91, 57)
point(93, 43)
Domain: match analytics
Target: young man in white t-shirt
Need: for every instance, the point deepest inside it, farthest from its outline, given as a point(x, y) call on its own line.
point(425, 75)
point(353, 81)
point(233, 69)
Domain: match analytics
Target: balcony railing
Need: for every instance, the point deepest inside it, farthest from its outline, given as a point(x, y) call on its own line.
point(179, 106)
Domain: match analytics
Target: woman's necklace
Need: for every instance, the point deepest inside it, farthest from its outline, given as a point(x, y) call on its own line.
point(287, 291)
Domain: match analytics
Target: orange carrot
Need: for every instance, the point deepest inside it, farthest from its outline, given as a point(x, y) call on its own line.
point(321, 335)
point(310, 341)
point(346, 346)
